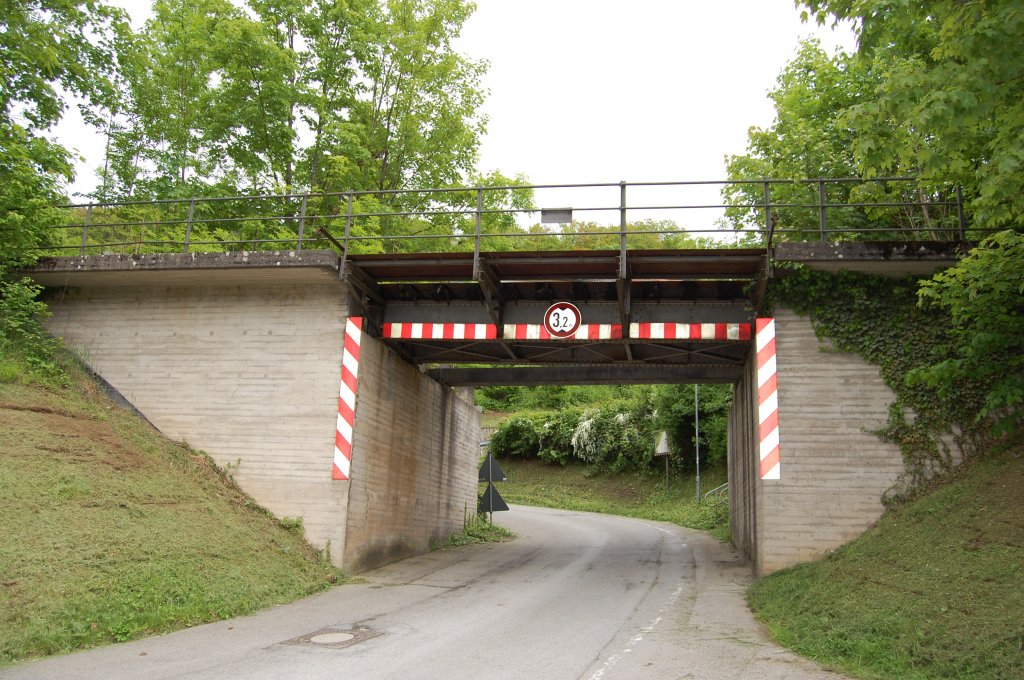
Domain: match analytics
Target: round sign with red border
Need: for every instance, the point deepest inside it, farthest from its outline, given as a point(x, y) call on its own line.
point(562, 320)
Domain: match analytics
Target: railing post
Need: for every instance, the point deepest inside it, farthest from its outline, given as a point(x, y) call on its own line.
point(85, 228)
point(188, 224)
point(302, 220)
point(348, 232)
point(821, 209)
point(479, 225)
point(769, 228)
point(622, 229)
point(962, 223)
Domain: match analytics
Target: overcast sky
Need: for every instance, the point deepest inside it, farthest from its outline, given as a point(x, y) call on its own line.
point(599, 91)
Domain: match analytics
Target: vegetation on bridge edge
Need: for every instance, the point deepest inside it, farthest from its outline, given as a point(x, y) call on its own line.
point(951, 348)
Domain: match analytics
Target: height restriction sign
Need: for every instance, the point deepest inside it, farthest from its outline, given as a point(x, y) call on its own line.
point(562, 320)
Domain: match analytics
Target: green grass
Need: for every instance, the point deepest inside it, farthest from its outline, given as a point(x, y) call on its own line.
point(110, 532)
point(935, 590)
point(573, 487)
point(478, 530)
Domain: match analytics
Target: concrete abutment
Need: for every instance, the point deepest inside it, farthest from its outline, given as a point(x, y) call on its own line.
point(247, 366)
point(834, 469)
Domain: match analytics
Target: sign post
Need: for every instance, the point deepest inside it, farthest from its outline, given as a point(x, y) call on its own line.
point(696, 433)
point(491, 501)
point(661, 448)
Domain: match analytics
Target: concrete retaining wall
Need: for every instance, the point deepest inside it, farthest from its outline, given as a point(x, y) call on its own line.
point(246, 367)
point(743, 469)
point(414, 461)
point(834, 470)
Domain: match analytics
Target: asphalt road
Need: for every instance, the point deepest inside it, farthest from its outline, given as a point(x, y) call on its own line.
point(576, 595)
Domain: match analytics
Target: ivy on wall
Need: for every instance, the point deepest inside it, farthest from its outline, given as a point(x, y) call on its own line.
point(879, 319)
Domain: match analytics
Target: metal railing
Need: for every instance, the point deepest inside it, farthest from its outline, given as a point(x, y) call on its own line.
point(757, 213)
point(720, 494)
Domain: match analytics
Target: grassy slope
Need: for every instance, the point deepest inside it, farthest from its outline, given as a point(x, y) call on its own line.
point(935, 590)
point(570, 487)
point(108, 531)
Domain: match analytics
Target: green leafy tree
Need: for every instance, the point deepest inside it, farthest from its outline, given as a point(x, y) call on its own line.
point(48, 50)
point(251, 120)
point(948, 102)
point(812, 137)
point(984, 297)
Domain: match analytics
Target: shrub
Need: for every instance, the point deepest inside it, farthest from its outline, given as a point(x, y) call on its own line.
point(22, 337)
point(515, 438)
point(555, 434)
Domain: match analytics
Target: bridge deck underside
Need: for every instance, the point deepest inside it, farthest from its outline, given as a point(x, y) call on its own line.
point(504, 296)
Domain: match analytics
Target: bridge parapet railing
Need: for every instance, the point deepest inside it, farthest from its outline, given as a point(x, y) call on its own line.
point(616, 216)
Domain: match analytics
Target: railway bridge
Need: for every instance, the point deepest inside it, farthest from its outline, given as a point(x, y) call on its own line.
point(336, 383)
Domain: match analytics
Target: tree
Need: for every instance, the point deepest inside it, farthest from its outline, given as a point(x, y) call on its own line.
point(949, 99)
point(48, 49)
point(984, 297)
point(812, 138)
point(419, 122)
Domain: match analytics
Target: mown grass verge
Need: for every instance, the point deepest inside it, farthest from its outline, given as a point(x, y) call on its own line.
point(574, 487)
point(110, 532)
point(934, 590)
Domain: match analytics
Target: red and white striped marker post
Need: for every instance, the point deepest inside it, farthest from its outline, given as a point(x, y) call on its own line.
point(768, 400)
point(347, 398)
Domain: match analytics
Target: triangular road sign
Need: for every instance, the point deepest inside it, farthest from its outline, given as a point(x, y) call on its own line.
point(491, 501)
point(490, 471)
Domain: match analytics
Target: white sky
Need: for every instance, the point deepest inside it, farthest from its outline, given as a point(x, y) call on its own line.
point(587, 91)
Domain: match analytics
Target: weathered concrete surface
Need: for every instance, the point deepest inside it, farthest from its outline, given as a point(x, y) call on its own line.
point(834, 470)
point(884, 258)
point(744, 474)
point(244, 362)
point(249, 374)
point(576, 595)
point(414, 464)
point(53, 270)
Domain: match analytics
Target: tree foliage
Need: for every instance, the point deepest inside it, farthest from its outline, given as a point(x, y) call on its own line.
point(947, 102)
point(610, 427)
point(287, 96)
point(812, 137)
point(934, 91)
point(984, 297)
point(48, 49)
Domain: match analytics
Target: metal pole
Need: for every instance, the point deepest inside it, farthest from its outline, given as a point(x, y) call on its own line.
point(768, 228)
point(622, 229)
point(960, 212)
point(479, 224)
point(696, 428)
point(348, 232)
point(302, 220)
point(188, 225)
point(821, 210)
point(85, 228)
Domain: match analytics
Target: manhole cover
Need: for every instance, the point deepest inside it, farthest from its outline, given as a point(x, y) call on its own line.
point(331, 638)
point(334, 638)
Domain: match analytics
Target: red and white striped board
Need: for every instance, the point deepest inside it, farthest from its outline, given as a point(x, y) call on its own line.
point(440, 331)
point(690, 331)
point(587, 331)
point(347, 398)
point(768, 400)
